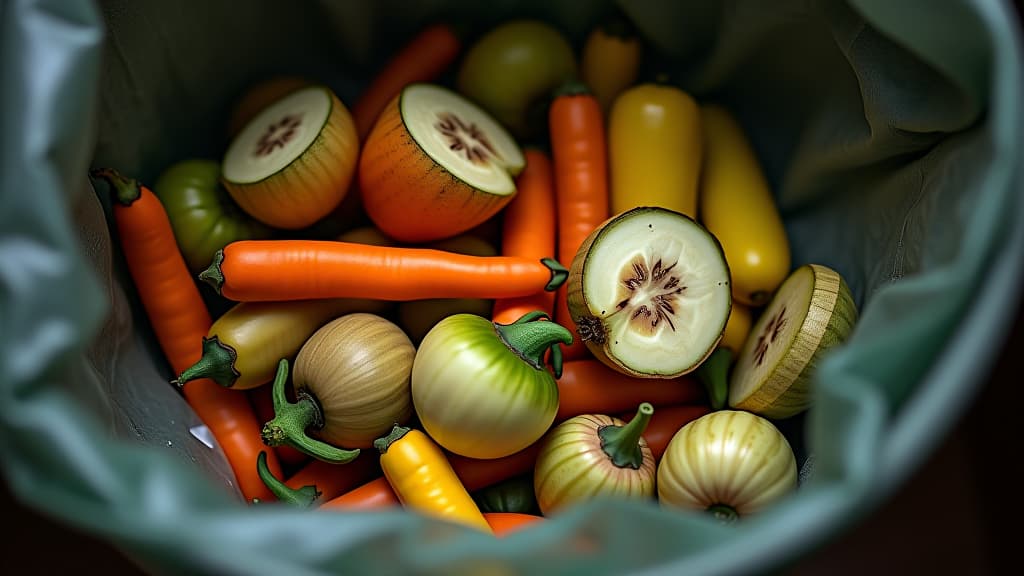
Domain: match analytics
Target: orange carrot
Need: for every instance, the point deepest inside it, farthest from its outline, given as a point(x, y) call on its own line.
point(474, 474)
point(504, 523)
point(332, 480)
point(528, 231)
point(665, 422)
point(180, 320)
point(424, 58)
point(590, 387)
point(580, 160)
point(276, 270)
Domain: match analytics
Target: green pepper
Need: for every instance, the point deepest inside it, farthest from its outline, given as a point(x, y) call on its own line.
point(512, 495)
point(202, 214)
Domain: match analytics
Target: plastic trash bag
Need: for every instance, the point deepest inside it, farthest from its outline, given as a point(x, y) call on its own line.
point(890, 131)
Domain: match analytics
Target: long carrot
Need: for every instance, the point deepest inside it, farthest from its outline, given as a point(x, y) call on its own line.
point(580, 159)
point(505, 523)
point(528, 231)
point(665, 422)
point(423, 58)
point(277, 270)
point(179, 318)
point(474, 474)
point(332, 480)
point(590, 387)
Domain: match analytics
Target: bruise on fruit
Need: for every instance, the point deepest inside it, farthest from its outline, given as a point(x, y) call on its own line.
point(278, 134)
point(649, 294)
point(769, 334)
point(467, 138)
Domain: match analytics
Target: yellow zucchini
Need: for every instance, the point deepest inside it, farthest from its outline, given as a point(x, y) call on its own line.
point(737, 206)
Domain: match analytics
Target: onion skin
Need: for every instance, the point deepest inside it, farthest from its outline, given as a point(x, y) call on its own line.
point(357, 367)
point(573, 467)
point(730, 463)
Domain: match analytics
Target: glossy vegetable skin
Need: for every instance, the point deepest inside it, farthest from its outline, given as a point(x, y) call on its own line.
point(580, 162)
point(505, 523)
point(202, 213)
point(737, 206)
point(279, 270)
point(590, 387)
point(654, 149)
point(423, 479)
point(179, 319)
point(665, 422)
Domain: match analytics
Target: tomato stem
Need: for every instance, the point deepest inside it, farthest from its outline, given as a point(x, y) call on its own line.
point(396, 434)
point(713, 374)
point(127, 190)
point(723, 513)
point(302, 497)
point(213, 275)
point(530, 338)
point(622, 443)
point(288, 427)
point(217, 364)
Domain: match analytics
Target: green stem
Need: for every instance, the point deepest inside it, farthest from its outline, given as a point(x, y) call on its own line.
point(714, 374)
point(291, 420)
point(213, 275)
point(572, 87)
point(531, 336)
point(396, 434)
point(303, 497)
point(127, 190)
point(622, 443)
point(723, 513)
point(217, 364)
point(559, 274)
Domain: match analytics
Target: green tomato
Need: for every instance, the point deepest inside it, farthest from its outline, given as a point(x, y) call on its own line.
point(512, 70)
point(481, 389)
point(203, 216)
point(512, 495)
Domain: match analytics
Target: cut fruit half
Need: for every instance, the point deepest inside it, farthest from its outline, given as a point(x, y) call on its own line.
point(811, 312)
point(292, 164)
point(649, 293)
point(436, 165)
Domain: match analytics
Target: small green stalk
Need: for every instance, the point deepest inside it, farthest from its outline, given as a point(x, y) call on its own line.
point(559, 274)
point(217, 364)
point(291, 420)
point(126, 190)
point(397, 433)
point(714, 374)
point(303, 497)
point(213, 274)
point(530, 338)
point(723, 513)
point(622, 443)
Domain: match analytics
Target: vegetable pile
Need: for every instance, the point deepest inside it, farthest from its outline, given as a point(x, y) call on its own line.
point(514, 276)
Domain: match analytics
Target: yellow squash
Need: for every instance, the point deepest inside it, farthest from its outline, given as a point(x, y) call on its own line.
point(610, 60)
point(423, 479)
point(654, 149)
point(737, 206)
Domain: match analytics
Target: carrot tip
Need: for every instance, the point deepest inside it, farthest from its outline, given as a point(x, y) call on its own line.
point(213, 275)
point(126, 190)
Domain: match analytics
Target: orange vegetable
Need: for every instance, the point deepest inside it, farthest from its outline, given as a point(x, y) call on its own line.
point(333, 480)
point(259, 96)
point(425, 57)
point(590, 387)
point(528, 231)
point(275, 270)
point(580, 161)
point(180, 320)
point(423, 479)
point(504, 523)
point(665, 422)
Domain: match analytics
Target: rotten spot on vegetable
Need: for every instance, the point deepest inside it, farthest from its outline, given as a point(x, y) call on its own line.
point(591, 329)
point(769, 335)
point(467, 138)
point(649, 293)
point(278, 134)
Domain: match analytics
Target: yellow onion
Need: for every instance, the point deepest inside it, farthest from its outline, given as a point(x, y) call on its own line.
point(352, 386)
point(594, 456)
point(730, 463)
